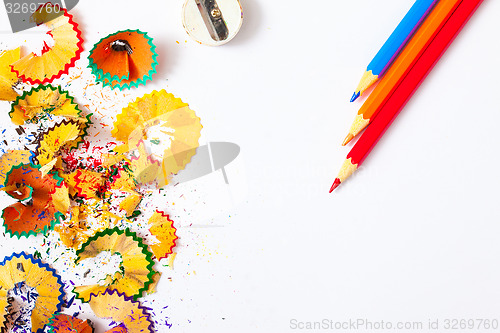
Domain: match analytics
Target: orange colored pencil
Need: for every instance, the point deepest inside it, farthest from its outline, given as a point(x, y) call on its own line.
point(410, 55)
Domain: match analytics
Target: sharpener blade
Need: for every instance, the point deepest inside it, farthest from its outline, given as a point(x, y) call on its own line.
point(212, 22)
point(212, 16)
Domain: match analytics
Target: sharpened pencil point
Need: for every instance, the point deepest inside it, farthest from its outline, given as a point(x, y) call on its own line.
point(355, 96)
point(336, 184)
point(348, 139)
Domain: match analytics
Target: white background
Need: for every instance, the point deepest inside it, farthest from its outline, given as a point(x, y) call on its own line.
point(414, 235)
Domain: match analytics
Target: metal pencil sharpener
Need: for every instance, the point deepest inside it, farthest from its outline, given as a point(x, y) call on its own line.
point(212, 22)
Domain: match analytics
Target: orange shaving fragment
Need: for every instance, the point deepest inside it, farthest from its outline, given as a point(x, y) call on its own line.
point(63, 323)
point(124, 59)
point(41, 199)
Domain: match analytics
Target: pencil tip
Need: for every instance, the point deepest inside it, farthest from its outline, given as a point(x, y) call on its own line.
point(336, 184)
point(347, 139)
point(355, 96)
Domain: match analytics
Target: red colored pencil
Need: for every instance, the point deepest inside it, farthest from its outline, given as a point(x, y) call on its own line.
point(406, 89)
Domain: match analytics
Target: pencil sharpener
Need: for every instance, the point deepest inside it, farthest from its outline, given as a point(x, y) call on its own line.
point(212, 22)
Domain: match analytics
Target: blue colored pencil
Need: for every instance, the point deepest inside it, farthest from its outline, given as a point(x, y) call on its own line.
point(394, 44)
